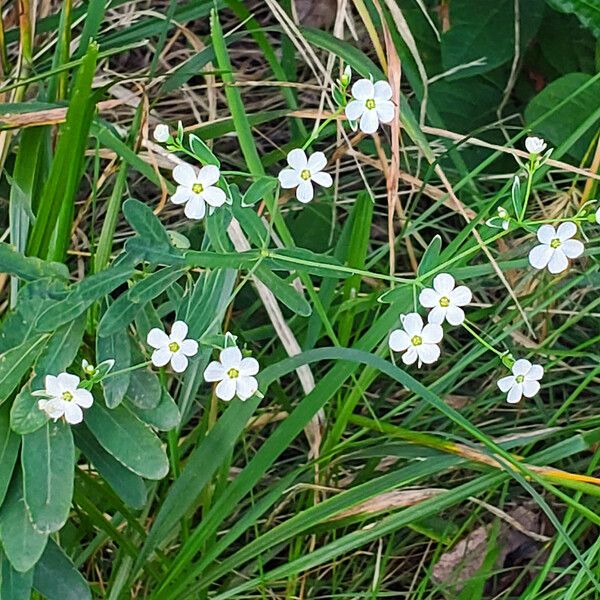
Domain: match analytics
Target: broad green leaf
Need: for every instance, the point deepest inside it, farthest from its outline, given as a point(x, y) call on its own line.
point(145, 223)
point(14, 585)
point(260, 188)
point(116, 347)
point(587, 11)
point(143, 248)
point(57, 578)
point(127, 485)
point(48, 461)
point(431, 255)
point(9, 448)
point(29, 268)
point(15, 363)
point(164, 416)
point(128, 440)
point(22, 544)
point(285, 293)
point(144, 389)
point(202, 151)
point(25, 416)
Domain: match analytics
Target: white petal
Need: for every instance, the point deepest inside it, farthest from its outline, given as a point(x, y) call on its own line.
point(226, 389)
point(505, 383)
point(412, 323)
point(195, 208)
point(161, 133)
point(455, 315)
point(297, 159)
point(460, 295)
point(410, 356)
point(572, 248)
point(215, 371)
point(182, 195)
point(289, 178)
point(161, 357)
point(214, 196)
point(559, 262)
point(209, 175)
point(530, 388)
point(178, 331)
point(515, 394)
point(317, 162)
point(428, 298)
point(383, 90)
point(536, 372)
point(67, 381)
point(521, 367)
point(55, 408)
point(246, 387)
point(399, 340)
point(432, 334)
point(248, 366)
point(566, 231)
point(546, 233)
point(540, 256)
point(437, 315)
point(157, 338)
point(428, 353)
point(52, 387)
point(179, 362)
point(443, 284)
point(369, 122)
point(83, 398)
point(73, 413)
point(385, 111)
point(305, 191)
point(185, 174)
point(231, 357)
point(189, 347)
point(322, 178)
point(363, 89)
point(355, 109)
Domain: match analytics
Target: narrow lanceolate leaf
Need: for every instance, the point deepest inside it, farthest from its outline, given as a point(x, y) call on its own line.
point(145, 223)
point(15, 363)
point(14, 585)
point(29, 268)
point(57, 578)
point(117, 348)
point(128, 440)
point(285, 293)
point(258, 190)
point(22, 544)
point(48, 461)
point(9, 447)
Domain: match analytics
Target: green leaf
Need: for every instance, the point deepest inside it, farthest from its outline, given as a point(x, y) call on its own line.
point(164, 416)
point(117, 347)
point(301, 259)
point(25, 416)
point(143, 248)
point(202, 151)
point(14, 585)
point(57, 578)
point(145, 223)
point(15, 363)
point(128, 440)
point(22, 544)
point(29, 268)
point(127, 485)
point(587, 11)
point(9, 448)
point(260, 188)
point(430, 256)
point(48, 461)
point(144, 389)
point(284, 292)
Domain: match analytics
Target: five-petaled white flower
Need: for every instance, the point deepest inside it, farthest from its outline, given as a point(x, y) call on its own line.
point(524, 381)
point(535, 145)
point(63, 398)
point(445, 300)
point(174, 348)
point(371, 104)
point(417, 342)
point(234, 373)
point(556, 247)
point(161, 133)
point(303, 171)
point(196, 189)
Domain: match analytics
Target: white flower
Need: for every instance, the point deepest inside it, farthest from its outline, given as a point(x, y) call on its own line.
point(503, 215)
point(197, 189)
point(234, 374)
point(419, 342)
point(445, 300)
point(535, 145)
point(556, 247)
point(63, 398)
point(303, 172)
point(172, 348)
point(371, 104)
point(524, 381)
point(161, 133)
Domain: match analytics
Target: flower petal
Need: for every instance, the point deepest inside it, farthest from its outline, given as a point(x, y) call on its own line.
point(521, 367)
point(231, 357)
point(195, 208)
point(225, 389)
point(385, 111)
point(412, 323)
point(546, 233)
point(355, 109)
point(73, 413)
point(437, 315)
point(317, 162)
point(67, 381)
point(55, 408)
point(185, 175)
point(248, 366)
point(559, 262)
point(83, 398)
point(52, 387)
point(369, 122)
point(215, 371)
point(209, 175)
point(515, 393)
point(455, 315)
point(297, 159)
point(305, 192)
point(322, 178)
point(432, 333)
point(214, 196)
point(566, 231)
point(246, 387)
point(382, 89)
point(540, 256)
point(428, 298)
point(536, 372)
point(363, 89)
point(289, 178)
point(572, 248)
point(505, 383)
point(189, 347)
point(460, 295)
point(179, 362)
point(182, 195)
point(178, 331)
point(399, 340)
point(443, 284)
point(428, 353)
point(530, 388)
point(410, 356)
point(161, 356)
point(157, 338)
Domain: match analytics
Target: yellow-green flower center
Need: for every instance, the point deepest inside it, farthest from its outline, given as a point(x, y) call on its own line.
point(197, 188)
point(416, 340)
point(305, 174)
point(555, 243)
point(520, 378)
point(370, 104)
point(233, 373)
point(67, 396)
point(173, 346)
point(444, 301)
